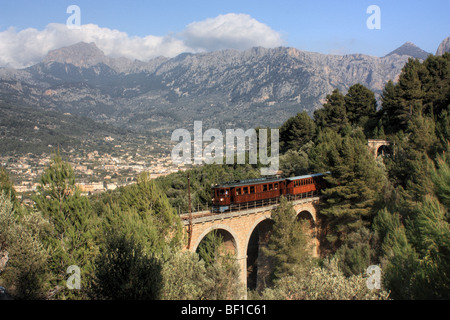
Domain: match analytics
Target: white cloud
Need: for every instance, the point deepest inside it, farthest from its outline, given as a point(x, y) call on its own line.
point(237, 31)
point(230, 31)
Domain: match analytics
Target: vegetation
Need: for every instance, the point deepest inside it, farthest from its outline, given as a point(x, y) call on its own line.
point(392, 211)
point(289, 245)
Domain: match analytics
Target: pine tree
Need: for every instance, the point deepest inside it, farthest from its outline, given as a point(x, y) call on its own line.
point(390, 104)
point(152, 214)
point(333, 114)
point(430, 236)
point(441, 179)
point(399, 260)
point(354, 184)
point(123, 271)
point(288, 244)
point(436, 84)
point(296, 132)
point(360, 104)
point(72, 240)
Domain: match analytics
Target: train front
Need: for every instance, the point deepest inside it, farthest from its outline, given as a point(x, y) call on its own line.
point(221, 198)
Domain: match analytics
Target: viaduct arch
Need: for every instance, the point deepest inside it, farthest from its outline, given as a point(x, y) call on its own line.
point(377, 146)
point(245, 232)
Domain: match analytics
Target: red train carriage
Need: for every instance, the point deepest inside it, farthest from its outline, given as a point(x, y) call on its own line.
point(231, 195)
point(228, 195)
point(307, 184)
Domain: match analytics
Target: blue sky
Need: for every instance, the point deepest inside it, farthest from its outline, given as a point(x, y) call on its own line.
point(326, 26)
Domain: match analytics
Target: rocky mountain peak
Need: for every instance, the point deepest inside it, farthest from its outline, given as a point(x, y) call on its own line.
point(410, 49)
point(443, 47)
point(81, 54)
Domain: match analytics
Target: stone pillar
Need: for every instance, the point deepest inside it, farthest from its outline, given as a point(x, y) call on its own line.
point(242, 263)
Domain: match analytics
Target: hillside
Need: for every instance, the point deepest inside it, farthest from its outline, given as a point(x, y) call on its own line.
point(35, 130)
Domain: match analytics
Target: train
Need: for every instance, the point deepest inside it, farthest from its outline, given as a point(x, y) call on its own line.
point(240, 194)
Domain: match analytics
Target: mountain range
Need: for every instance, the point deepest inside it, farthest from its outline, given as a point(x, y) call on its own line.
point(224, 89)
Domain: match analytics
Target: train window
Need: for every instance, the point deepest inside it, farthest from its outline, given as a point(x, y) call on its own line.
point(222, 191)
point(276, 186)
point(265, 187)
point(238, 191)
point(270, 186)
point(252, 189)
point(245, 190)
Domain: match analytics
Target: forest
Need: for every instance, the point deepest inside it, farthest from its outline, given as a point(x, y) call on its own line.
point(391, 211)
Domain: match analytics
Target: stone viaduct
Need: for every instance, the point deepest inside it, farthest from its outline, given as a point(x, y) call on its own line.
point(246, 231)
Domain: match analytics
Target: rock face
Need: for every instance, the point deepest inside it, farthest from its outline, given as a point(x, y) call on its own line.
point(81, 55)
point(410, 49)
point(443, 47)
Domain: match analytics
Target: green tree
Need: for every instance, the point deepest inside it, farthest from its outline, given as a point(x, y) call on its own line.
point(159, 225)
point(221, 269)
point(210, 248)
point(288, 246)
point(360, 104)
point(296, 162)
point(23, 257)
point(195, 282)
point(422, 88)
point(333, 114)
point(323, 283)
point(390, 102)
point(358, 252)
point(354, 184)
point(72, 240)
point(430, 236)
point(123, 271)
point(399, 260)
point(296, 132)
point(441, 179)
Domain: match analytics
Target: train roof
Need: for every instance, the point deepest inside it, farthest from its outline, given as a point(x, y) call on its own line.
point(247, 182)
point(307, 176)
